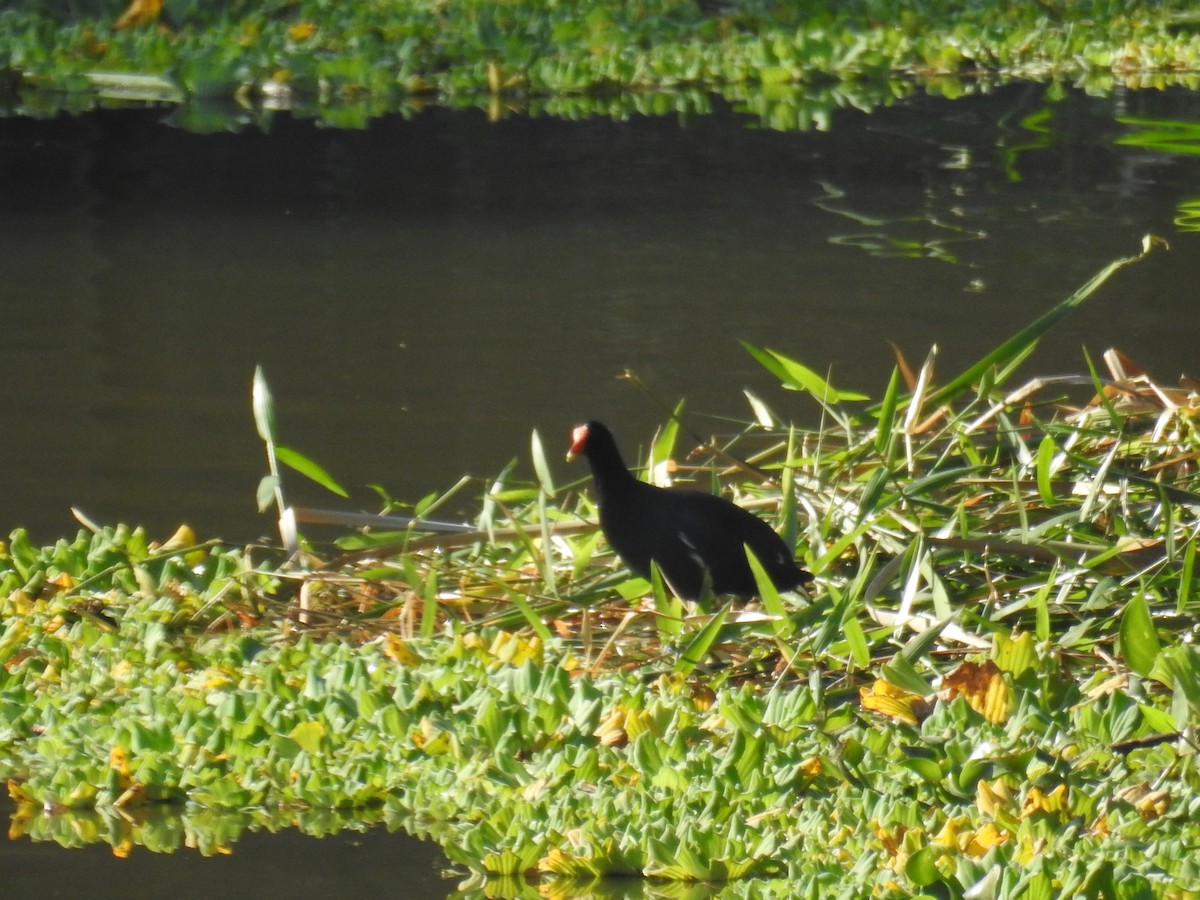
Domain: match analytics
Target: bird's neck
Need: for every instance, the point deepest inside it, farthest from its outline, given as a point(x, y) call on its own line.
point(612, 476)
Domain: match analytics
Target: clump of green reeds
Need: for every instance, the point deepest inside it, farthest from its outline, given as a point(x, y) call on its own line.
point(935, 518)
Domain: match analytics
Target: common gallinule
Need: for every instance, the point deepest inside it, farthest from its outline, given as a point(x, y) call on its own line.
point(685, 532)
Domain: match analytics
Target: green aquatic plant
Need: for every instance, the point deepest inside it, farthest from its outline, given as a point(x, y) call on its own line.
point(775, 56)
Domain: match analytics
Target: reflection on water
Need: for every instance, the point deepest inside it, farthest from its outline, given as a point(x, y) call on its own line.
point(267, 862)
point(426, 291)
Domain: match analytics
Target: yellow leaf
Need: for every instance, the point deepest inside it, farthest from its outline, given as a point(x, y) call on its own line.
point(1054, 803)
point(703, 697)
point(557, 860)
point(93, 48)
point(62, 580)
point(183, 537)
point(140, 12)
point(886, 698)
point(984, 688)
point(1017, 654)
point(811, 766)
point(134, 795)
point(516, 649)
point(118, 761)
point(992, 799)
point(638, 723)
point(19, 826)
point(984, 840)
point(396, 649)
point(302, 31)
point(611, 731)
point(16, 604)
point(81, 795)
point(948, 837)
point(1154, 805)
point(891, 840)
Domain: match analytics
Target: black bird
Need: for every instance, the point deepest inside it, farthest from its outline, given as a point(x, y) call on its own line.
point(685, 532)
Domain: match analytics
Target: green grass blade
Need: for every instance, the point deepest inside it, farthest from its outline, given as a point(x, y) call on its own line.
point(538, 453)
point(788, 511)
point(1138, 640)
point(532, 619)
point(1045, 457)
point(885, 434)
point(921, 642)
point(902, 674)
point(548, 575)
point(798, 377)
point(264, 407)
point(1024, 340)
point(1168, 525)
point(872, 492)
point(1117, 419)
point(309, 469)
point(831, 628)
point(1041, 606)
point(860, 652)
point(1101, 476)
point(668, 608)
point(664, 443)
point(838, 547)
point(430, 504)
point(698, 647)
point(429, 605)
point(769, 596)
point(491, 505)
point(1185, 577)
point(915, 489)
point(989, 380)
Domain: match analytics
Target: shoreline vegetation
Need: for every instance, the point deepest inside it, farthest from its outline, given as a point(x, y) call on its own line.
point(992, 689)
point(789, 62)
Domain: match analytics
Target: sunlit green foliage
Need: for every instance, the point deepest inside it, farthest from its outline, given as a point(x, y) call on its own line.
point(393, 50)
point(994, 686)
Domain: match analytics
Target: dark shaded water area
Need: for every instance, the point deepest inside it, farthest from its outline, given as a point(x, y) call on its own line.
point(283, 865)
point(426, 291)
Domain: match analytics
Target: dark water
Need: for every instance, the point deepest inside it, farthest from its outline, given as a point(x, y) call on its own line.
point(427, 291)
point(282, 866)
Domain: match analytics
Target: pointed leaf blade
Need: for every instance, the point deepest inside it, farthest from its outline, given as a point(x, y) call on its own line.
point(309, 469)
point(264, 407)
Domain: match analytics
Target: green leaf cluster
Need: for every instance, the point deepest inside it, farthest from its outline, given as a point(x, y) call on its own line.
point(396, 50)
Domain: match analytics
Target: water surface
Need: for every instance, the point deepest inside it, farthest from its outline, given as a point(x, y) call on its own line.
point(284, 865)
point(425, 292)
